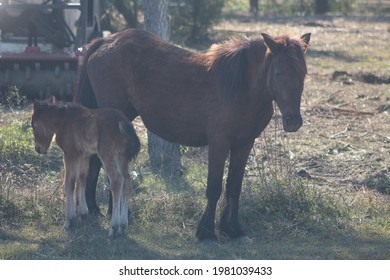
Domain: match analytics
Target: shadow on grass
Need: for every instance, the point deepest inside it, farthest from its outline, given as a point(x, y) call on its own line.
point(89, 241)
point(339, 55)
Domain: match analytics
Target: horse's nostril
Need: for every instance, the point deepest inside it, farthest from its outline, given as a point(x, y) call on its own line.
point(292, 124)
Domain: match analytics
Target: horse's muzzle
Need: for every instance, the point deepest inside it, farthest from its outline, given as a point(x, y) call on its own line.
point(292, 123)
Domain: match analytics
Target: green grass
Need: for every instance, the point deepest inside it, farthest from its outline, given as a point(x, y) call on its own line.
point(285, 217)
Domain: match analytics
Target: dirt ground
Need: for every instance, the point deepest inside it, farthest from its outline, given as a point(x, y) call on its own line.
point(343, 144)
point(345, 139)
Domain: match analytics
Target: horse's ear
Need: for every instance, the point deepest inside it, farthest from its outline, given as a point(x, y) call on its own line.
point(271, 43)
point(305, 39)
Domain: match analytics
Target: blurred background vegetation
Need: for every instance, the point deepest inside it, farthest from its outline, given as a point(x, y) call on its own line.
point(192, 19)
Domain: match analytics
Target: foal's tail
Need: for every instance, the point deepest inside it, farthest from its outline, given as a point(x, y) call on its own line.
point(83, 92)
point(133, 144)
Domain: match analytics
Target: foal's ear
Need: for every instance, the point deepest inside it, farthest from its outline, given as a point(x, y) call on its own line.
point(305, 39)
point(271, 43)
point(51, 100)
point(37, 106)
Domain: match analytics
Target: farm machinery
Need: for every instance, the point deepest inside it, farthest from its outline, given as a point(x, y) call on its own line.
point(40, 43)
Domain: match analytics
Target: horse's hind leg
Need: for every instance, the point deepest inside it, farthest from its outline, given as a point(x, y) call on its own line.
point(229, 223)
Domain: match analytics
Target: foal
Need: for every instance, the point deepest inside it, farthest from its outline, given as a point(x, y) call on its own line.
point(81, 132)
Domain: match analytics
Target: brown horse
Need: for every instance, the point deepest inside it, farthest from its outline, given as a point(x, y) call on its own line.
point(222, 98)
point(81, 132)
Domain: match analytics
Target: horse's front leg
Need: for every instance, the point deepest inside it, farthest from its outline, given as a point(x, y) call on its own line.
point(217, 156)
point(229, 223)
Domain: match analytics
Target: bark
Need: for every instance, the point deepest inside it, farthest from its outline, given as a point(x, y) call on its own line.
point(164, 157)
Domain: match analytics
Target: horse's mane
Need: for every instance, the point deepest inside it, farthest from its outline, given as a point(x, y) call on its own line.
point(230, 60)
point(227, 60)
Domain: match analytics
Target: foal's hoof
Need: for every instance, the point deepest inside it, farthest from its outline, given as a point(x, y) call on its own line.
point(83, 217)
point(69, 224)
point(244, 240)
point(113, 232)
point(116, 231)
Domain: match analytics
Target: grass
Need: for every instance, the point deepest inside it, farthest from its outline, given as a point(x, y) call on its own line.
point(304, 197)
point(278, 211)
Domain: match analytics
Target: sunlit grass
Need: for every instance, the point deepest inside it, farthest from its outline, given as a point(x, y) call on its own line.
point(286, 216)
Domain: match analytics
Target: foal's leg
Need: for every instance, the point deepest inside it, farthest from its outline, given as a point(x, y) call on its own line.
point(110, 162)
point(80, 186)
point(69, 186)
point(217, 156)
point(125, 192)
point(229, 223)
point(116, 190)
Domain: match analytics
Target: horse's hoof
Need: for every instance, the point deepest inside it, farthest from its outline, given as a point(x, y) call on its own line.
point(232, 231)
point(206, 236)
point(210, 242)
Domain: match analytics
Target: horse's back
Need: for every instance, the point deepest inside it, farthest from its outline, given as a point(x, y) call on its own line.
point(147, 76)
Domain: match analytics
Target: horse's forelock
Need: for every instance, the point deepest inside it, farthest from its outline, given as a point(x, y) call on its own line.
point(294, 50)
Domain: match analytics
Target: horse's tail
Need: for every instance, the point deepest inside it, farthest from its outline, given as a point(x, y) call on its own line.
point(133, 144)
point(84, 93)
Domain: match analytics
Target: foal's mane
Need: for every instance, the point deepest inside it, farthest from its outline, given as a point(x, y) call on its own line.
point(58, 105)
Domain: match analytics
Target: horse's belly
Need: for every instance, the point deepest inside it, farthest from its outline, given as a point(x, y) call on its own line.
point(178, 131)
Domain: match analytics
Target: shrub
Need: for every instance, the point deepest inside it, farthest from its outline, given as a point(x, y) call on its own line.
point(191, 19)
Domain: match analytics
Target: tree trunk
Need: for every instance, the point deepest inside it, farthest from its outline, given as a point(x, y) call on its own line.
point(254, 7)
point(321, 7)
point(129, 11)
point(164, 157)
